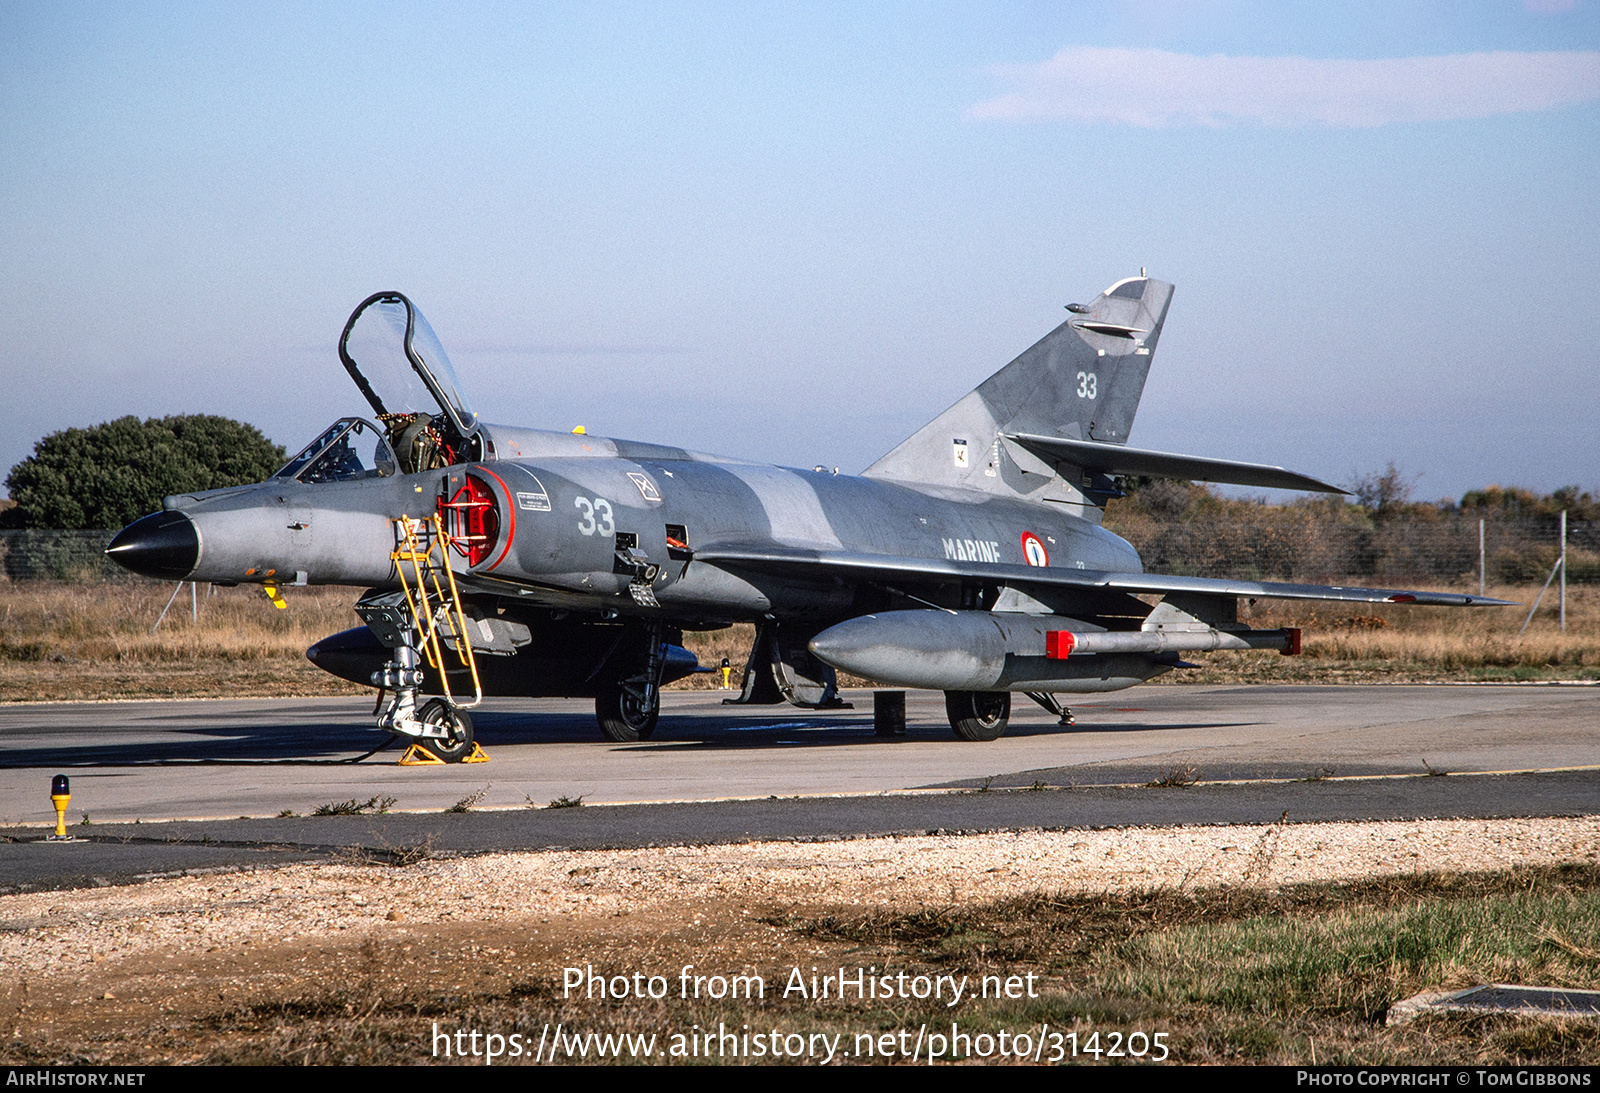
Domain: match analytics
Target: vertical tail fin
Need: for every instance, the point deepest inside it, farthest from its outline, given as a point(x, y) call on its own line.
point(1083, 381)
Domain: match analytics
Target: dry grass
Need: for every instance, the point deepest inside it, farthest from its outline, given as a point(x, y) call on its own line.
point(1400, 643)
point(711, 646)
point(92, 640)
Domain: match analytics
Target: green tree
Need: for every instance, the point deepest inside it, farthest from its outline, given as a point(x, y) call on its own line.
point(111, 474)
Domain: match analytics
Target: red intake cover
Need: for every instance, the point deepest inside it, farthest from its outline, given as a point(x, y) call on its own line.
point(471, 520)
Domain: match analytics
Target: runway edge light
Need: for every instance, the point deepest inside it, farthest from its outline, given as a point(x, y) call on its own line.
point(61, 797)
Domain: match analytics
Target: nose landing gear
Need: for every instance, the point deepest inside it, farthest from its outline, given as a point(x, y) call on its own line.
point(455, 745)
point(423, 624)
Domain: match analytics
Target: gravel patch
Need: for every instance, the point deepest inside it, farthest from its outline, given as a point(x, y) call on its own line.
point(308, 904)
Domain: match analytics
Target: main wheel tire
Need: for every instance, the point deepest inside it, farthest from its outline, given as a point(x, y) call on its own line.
point(978, 715)
point(456, 744)
point(623, 717)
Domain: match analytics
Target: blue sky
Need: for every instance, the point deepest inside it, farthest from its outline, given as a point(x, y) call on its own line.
point(796, 233)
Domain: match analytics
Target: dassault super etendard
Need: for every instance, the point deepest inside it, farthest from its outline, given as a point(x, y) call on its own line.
point(511, 561)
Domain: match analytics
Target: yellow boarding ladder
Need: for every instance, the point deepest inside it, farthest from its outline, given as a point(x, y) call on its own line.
point(434, 600)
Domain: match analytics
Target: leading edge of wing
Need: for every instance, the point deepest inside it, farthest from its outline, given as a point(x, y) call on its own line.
point(794, 562)
point(1118, 459)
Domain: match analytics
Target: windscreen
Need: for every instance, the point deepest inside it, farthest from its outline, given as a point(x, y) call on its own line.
point(347, 450)
point(299, 463)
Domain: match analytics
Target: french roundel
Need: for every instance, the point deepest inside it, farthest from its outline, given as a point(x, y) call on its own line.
point(1033, 550)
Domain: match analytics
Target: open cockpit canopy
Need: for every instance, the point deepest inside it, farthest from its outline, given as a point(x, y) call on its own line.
point(401, 368)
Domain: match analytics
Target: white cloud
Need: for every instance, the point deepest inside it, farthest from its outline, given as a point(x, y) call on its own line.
point(1151, 87)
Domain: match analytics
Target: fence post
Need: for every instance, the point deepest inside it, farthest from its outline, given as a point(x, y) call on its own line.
point(1563, 571)
point(1482, 569)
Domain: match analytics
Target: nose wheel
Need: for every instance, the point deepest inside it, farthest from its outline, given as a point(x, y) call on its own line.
point(456, 726)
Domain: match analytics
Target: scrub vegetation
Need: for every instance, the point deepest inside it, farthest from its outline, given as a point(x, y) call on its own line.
point(1382, 538)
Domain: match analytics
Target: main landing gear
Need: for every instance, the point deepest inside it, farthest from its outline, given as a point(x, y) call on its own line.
point(628, 707)
point(978, 715)
point(627, 714)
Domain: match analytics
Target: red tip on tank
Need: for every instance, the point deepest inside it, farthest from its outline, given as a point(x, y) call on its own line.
point(1292, 647)
point(1058, 644)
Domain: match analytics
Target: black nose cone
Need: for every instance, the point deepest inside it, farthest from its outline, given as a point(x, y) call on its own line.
point(163, 545)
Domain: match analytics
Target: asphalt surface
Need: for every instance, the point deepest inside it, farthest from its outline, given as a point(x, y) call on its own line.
point(206, 780)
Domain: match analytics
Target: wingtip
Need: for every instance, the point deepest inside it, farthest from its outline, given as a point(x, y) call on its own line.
point(1449, 599)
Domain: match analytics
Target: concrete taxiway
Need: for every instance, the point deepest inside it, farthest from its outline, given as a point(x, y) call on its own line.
point(259, 757)
point(1324, 753)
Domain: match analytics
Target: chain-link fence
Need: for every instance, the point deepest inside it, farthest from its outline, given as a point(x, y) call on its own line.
point(42, 555)
point(1295, 545)
point(1290, 545)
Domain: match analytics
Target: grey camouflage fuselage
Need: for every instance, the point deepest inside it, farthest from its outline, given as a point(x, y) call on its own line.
point(971, 558)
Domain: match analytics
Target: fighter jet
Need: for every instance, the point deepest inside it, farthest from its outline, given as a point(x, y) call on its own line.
point(501, 560)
